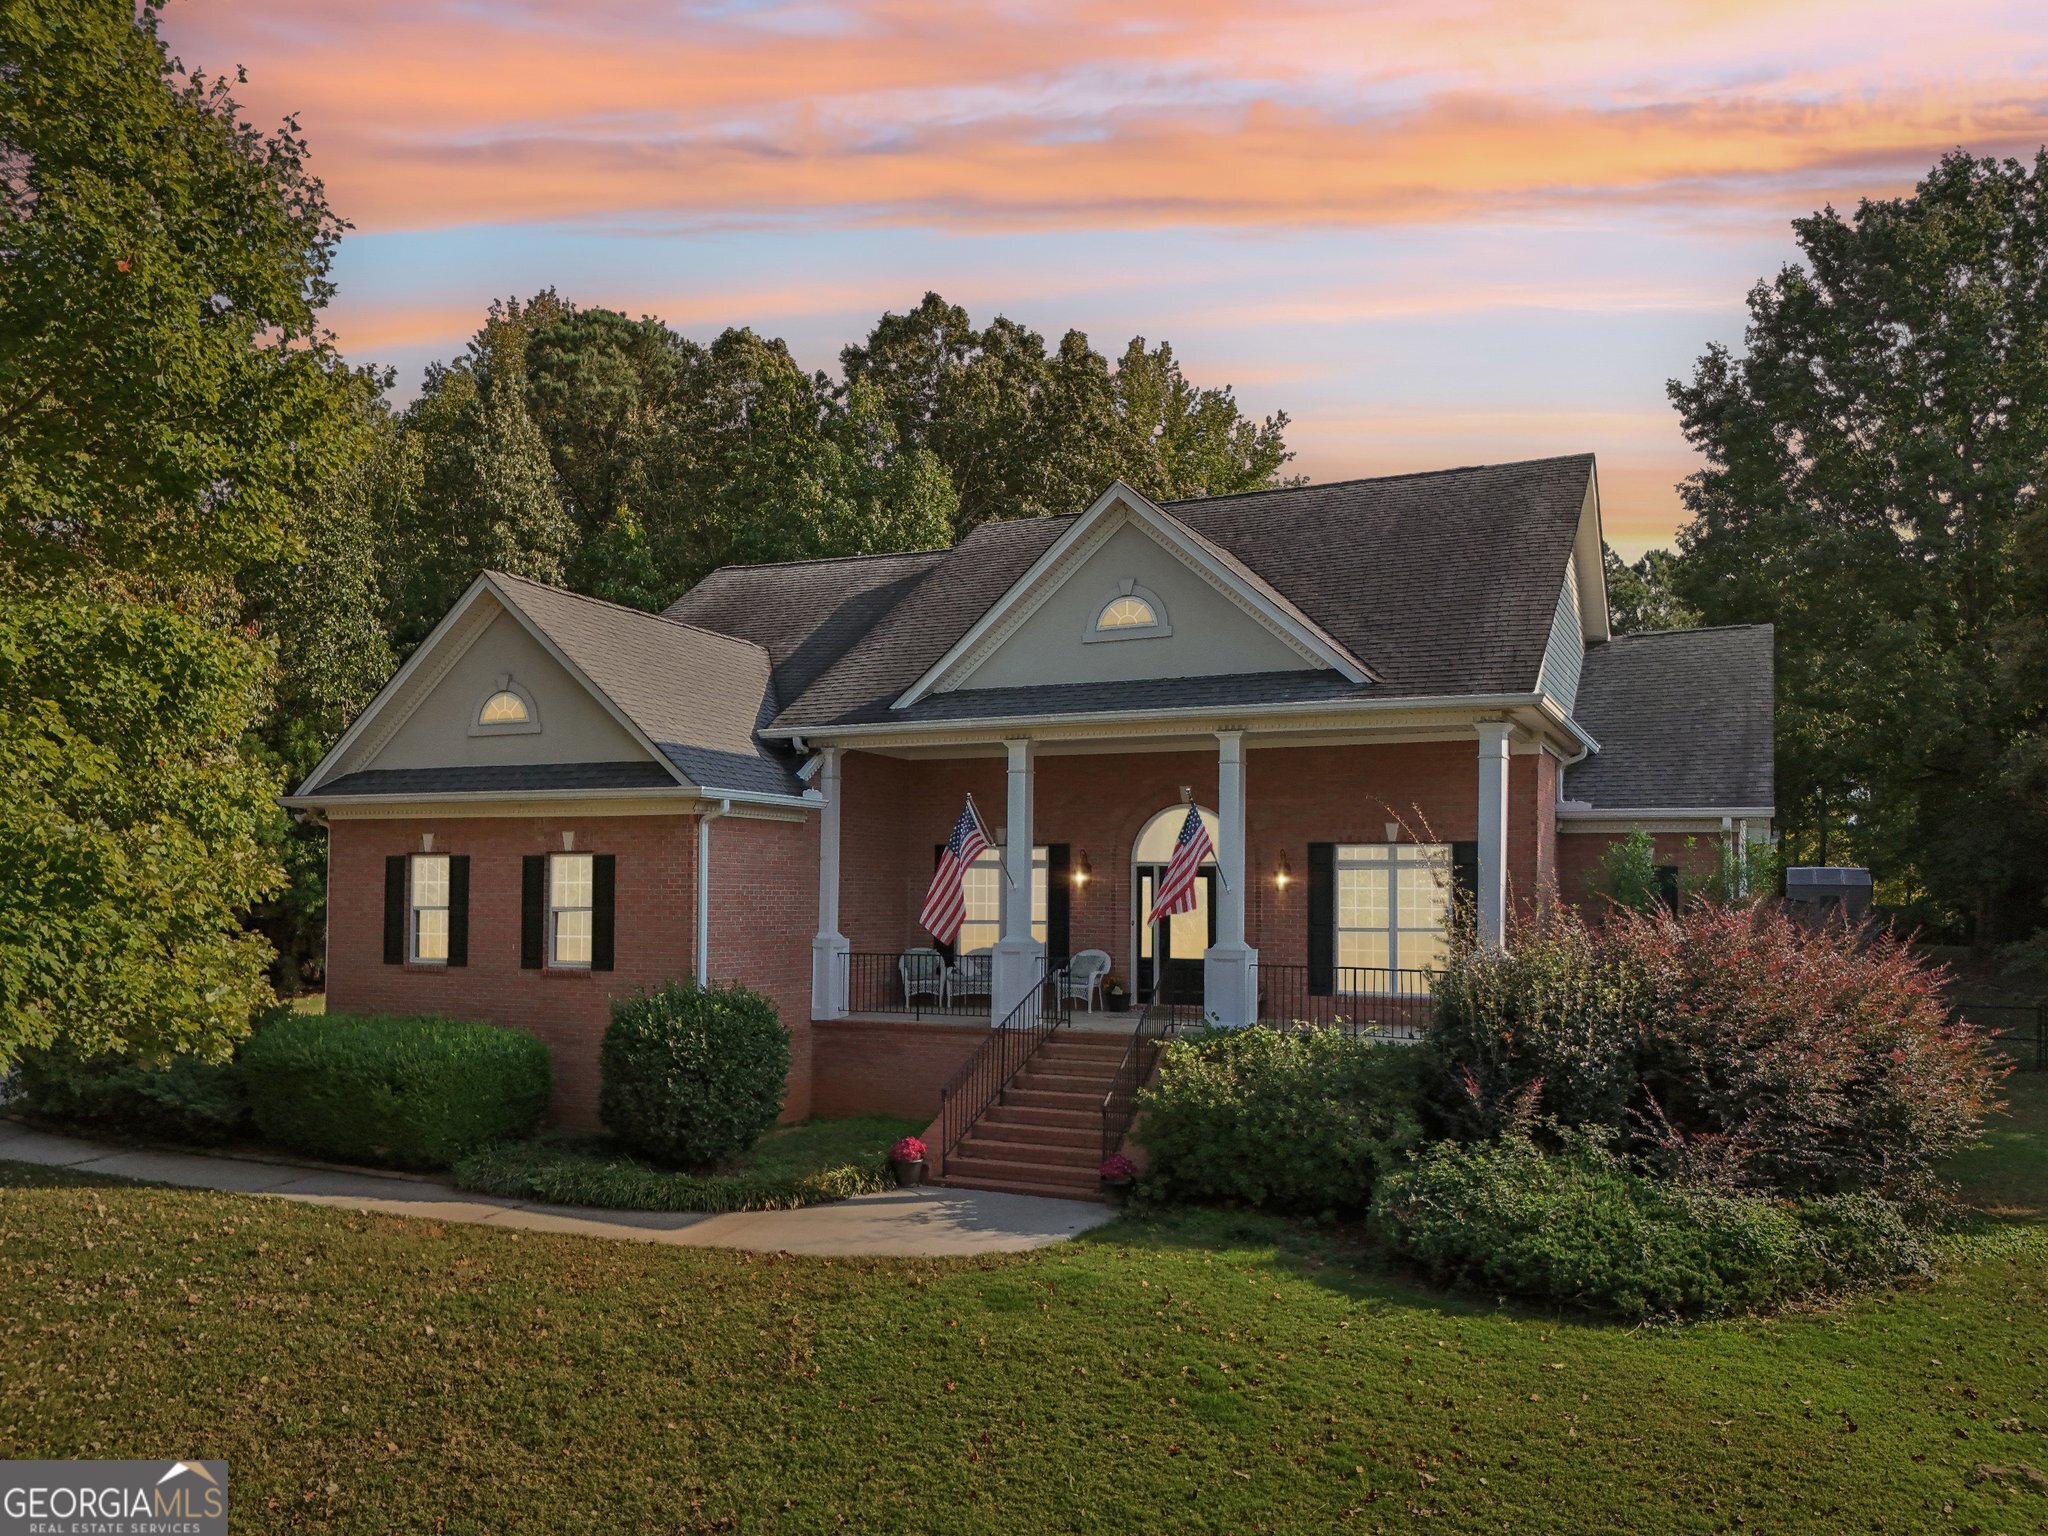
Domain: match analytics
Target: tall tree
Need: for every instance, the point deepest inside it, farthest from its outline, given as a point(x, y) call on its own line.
point(1026, 430)
point(165, 395)
point(1871, 458)
point(1643, 595)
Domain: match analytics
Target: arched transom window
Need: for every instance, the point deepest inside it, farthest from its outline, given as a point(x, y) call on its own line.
point(1131, 612)
point(507, 710)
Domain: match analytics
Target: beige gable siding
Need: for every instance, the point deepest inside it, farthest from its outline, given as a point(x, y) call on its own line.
point(1212, 635)
point(575, 728)
point(1566, 652)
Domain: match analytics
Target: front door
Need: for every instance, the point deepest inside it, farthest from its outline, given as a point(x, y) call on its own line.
point(1170, 951)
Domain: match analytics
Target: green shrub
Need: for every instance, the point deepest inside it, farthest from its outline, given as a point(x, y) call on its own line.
point(1298, 1121)
point(185, 1099)
point(1579, 1228)
point(402, 1092)
point(693, 1075)
point(801, 1165)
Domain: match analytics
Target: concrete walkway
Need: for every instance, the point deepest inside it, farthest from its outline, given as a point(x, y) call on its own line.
point(911, 1223)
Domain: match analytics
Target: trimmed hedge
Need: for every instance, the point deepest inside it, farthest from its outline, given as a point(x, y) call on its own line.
point(803, 1165)
point(1579, 1228)
point(1299, 1121)
point(187, 1100)
point(693, 1075)
point(403, 1092)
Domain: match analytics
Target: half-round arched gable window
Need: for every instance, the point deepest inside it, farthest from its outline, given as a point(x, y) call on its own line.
point(1131, 612)
point(507, 710)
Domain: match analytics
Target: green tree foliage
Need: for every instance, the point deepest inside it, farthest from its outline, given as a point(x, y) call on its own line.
point(1644, 595)
point(1025, 430)
point(165, 397)
point(1874, 467)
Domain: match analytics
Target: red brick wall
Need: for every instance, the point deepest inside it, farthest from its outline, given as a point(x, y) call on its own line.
point(874, 1068)
point(1579, 854)
point(764, 911)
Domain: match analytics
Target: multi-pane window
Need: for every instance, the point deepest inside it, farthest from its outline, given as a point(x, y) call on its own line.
point(1393, 910)
point(983, 890)
point(428, 901)
point(570, 884)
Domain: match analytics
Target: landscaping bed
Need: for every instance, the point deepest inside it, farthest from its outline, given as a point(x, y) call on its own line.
point(809, 1164)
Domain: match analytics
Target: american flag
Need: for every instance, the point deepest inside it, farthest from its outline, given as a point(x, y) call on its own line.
point(945, 904)
point(1177, 885)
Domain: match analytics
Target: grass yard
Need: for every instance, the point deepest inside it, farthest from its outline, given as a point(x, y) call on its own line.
point(1205, 1373)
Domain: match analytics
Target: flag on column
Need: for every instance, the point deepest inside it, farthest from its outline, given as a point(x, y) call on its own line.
point(945, 904)
point(1177, 885)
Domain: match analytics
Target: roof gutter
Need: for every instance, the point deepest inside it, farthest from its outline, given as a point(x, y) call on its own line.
point(317, 801)
point(704, 819)
point(1576, 812)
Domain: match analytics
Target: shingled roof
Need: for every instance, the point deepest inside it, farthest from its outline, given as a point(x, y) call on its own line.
point(700, 696)
point(1683, 718)
point(1443, 584)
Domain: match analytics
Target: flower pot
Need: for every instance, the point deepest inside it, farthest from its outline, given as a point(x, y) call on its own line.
point(908, 1174)
point(1114, 1190)
point(1117, 1002)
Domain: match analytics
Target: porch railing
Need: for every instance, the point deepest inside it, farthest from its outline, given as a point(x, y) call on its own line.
point(1362, 999)
point(919, 985)
point(1120, 1104)
point(983, 1076)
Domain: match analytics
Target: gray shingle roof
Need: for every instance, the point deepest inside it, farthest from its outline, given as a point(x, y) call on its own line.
point(1441, 584)
point(501, 778)
point(698, 695)
point(1683, 718)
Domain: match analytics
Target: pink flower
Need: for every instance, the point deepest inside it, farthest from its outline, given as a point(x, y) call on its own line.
point(1116, 1168)
point(908, 1150)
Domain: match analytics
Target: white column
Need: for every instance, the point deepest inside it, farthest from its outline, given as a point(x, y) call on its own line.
point(829, 948)
point(1230, 968)
point(1019, 959)
point(1493, 833)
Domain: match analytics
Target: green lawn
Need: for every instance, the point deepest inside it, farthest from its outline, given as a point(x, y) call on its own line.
point(1202, 1374)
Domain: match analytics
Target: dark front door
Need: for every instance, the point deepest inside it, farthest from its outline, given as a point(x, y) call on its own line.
point(1170, 951)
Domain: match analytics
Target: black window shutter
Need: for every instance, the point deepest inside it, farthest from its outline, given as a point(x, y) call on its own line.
point(394, 909)
point(1059, 892)
point(1667, 886)
point(533, 911)
point(947, 949)
point(604, 903)
point(1322, 919)
point(458, 909)
point(1465, 873)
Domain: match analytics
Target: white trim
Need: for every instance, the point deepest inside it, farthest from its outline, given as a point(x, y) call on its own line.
point(687, 797)
point(1021, 599)
point(1716, 814)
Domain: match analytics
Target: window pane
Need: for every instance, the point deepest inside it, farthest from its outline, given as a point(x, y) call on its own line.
point(1362, 947)
point(430, 880)
point(973, 935)
point(1361, 898)
point(1423, 950)
point(1127, 613)
point(571, 881)
point(1425, 896)
point(983, 891)
point(503, 709)
point(572, 938)
point(430, 934)
point(1162, 832)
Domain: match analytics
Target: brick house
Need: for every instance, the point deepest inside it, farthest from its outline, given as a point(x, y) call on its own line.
point(1376, 692)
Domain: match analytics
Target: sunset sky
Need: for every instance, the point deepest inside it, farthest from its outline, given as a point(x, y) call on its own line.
point(1434, 233)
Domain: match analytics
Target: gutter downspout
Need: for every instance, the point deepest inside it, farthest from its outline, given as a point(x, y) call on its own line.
point(704, 819)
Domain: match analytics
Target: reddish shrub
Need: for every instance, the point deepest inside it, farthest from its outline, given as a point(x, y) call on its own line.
point(1734, 1047)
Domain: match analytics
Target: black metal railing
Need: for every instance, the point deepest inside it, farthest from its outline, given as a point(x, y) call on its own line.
point(1120, 1104)
point(1361, 999)
point(2019, 1030)
point(983, 1076)
point(919, 983)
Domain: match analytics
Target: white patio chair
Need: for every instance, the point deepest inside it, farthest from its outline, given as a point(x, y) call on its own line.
point(1084, 975)
point(974, 974)
point(924, 974)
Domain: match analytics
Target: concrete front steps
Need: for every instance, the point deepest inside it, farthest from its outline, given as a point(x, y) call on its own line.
point(1043, 1136)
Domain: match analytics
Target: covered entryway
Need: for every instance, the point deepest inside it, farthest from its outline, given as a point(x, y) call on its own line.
point(1168, 956)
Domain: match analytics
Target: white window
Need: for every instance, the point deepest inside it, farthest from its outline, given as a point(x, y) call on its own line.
point(983, 888)
point(1131, 612)
point(427, 899)
point(504, 708)
point(570, 883)
point(1393, 912)
point(507, 710)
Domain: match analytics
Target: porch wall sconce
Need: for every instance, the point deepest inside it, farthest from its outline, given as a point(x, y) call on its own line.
point(1082, 871)
point(1284, 874)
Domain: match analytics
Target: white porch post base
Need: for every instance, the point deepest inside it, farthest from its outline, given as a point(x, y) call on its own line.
point(1016, 967)
point(829, 965)
point(1230, 985)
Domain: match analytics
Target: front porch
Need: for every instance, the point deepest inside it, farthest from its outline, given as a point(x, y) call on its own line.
point(1338, 856)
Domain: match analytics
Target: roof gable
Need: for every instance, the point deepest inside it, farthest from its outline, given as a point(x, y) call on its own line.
point(1037, 631)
